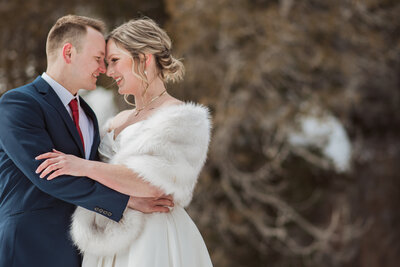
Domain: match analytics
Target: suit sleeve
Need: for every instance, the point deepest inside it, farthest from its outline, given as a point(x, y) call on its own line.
point(23, 136)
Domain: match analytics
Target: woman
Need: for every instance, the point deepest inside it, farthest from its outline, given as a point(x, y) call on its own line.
point(163, 141)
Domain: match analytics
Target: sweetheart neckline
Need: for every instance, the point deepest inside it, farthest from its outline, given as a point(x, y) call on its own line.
point(114, 138)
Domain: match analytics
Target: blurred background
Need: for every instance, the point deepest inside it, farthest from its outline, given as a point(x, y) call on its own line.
point(303, 167)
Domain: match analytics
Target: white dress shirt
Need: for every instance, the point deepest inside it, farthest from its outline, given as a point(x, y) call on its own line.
point(85, 123)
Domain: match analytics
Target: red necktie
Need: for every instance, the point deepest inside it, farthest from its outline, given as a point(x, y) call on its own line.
point(75, 115)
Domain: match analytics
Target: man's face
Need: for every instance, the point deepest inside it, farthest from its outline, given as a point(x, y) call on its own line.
point(89, 61)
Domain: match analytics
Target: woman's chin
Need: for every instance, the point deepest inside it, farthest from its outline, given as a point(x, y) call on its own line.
point(121, 91)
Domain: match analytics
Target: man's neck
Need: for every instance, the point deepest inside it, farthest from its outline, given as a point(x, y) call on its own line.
point(57, 75)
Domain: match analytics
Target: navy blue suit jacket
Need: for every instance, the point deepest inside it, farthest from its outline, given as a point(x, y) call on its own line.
point(35, 214)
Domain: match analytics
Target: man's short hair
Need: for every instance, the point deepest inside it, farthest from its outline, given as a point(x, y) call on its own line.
point(71, 29)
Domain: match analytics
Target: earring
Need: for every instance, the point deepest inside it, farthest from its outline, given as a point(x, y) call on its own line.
point(145, 72)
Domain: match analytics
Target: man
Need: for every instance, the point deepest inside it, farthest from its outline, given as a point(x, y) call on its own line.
point(46, 114)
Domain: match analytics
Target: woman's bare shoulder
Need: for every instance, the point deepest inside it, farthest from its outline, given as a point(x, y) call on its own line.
point(172, 102)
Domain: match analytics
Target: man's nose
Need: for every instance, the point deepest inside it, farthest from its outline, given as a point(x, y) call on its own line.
point(109, 71)
point(102, 67)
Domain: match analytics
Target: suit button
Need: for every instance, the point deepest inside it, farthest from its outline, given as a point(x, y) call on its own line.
point(101, 210)
point(96, 209)
point(109, 214)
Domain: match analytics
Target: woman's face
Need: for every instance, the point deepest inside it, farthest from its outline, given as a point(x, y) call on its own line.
point(120, 69)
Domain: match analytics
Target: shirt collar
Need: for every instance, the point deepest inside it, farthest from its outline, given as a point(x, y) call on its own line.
point(64, 95)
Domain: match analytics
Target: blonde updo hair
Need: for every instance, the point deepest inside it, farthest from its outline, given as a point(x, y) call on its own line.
point(143, 36)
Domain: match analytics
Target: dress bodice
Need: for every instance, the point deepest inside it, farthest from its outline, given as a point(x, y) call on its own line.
point(107, 147)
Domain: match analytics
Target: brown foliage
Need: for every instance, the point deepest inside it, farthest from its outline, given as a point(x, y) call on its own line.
point(257, 63)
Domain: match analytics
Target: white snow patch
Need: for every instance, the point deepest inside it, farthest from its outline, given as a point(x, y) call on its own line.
point(326, 133)
point(102, 103)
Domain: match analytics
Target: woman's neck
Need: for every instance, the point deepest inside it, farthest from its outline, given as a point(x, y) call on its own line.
point(152, 97)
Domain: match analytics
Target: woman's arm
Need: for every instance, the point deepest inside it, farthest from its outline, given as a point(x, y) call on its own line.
point(117, 177)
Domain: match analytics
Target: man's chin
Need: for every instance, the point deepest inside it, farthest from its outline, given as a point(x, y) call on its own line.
point(91, 87)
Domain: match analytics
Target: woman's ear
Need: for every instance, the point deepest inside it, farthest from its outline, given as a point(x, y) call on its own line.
point(148, 58)
point(67, 52)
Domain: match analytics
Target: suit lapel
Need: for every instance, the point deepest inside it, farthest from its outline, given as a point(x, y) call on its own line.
point(96, 136)
point(52, 98)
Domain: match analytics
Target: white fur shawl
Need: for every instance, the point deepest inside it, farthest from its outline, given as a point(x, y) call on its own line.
point(168, 150)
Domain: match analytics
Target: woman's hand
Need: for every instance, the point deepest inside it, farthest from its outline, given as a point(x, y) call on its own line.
point(60, 164)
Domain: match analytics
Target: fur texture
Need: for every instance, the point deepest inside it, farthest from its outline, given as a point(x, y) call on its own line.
point(168, 150)
point(96, 234)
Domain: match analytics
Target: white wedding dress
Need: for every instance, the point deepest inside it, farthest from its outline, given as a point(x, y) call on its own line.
point(163, 239)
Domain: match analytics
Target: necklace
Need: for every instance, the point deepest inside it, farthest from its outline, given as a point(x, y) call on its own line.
point(151, 101)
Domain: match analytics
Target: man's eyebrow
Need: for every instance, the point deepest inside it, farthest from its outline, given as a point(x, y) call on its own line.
point(100, 53)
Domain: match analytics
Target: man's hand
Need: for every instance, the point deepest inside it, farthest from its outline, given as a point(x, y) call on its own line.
point(150, 205)
point(150, 191)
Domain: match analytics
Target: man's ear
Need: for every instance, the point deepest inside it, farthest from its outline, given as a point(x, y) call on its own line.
point(67, 52)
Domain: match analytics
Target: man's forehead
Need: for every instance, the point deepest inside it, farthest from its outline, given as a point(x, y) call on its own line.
point(97, 52)
point(95, 39)
point(98, 47)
